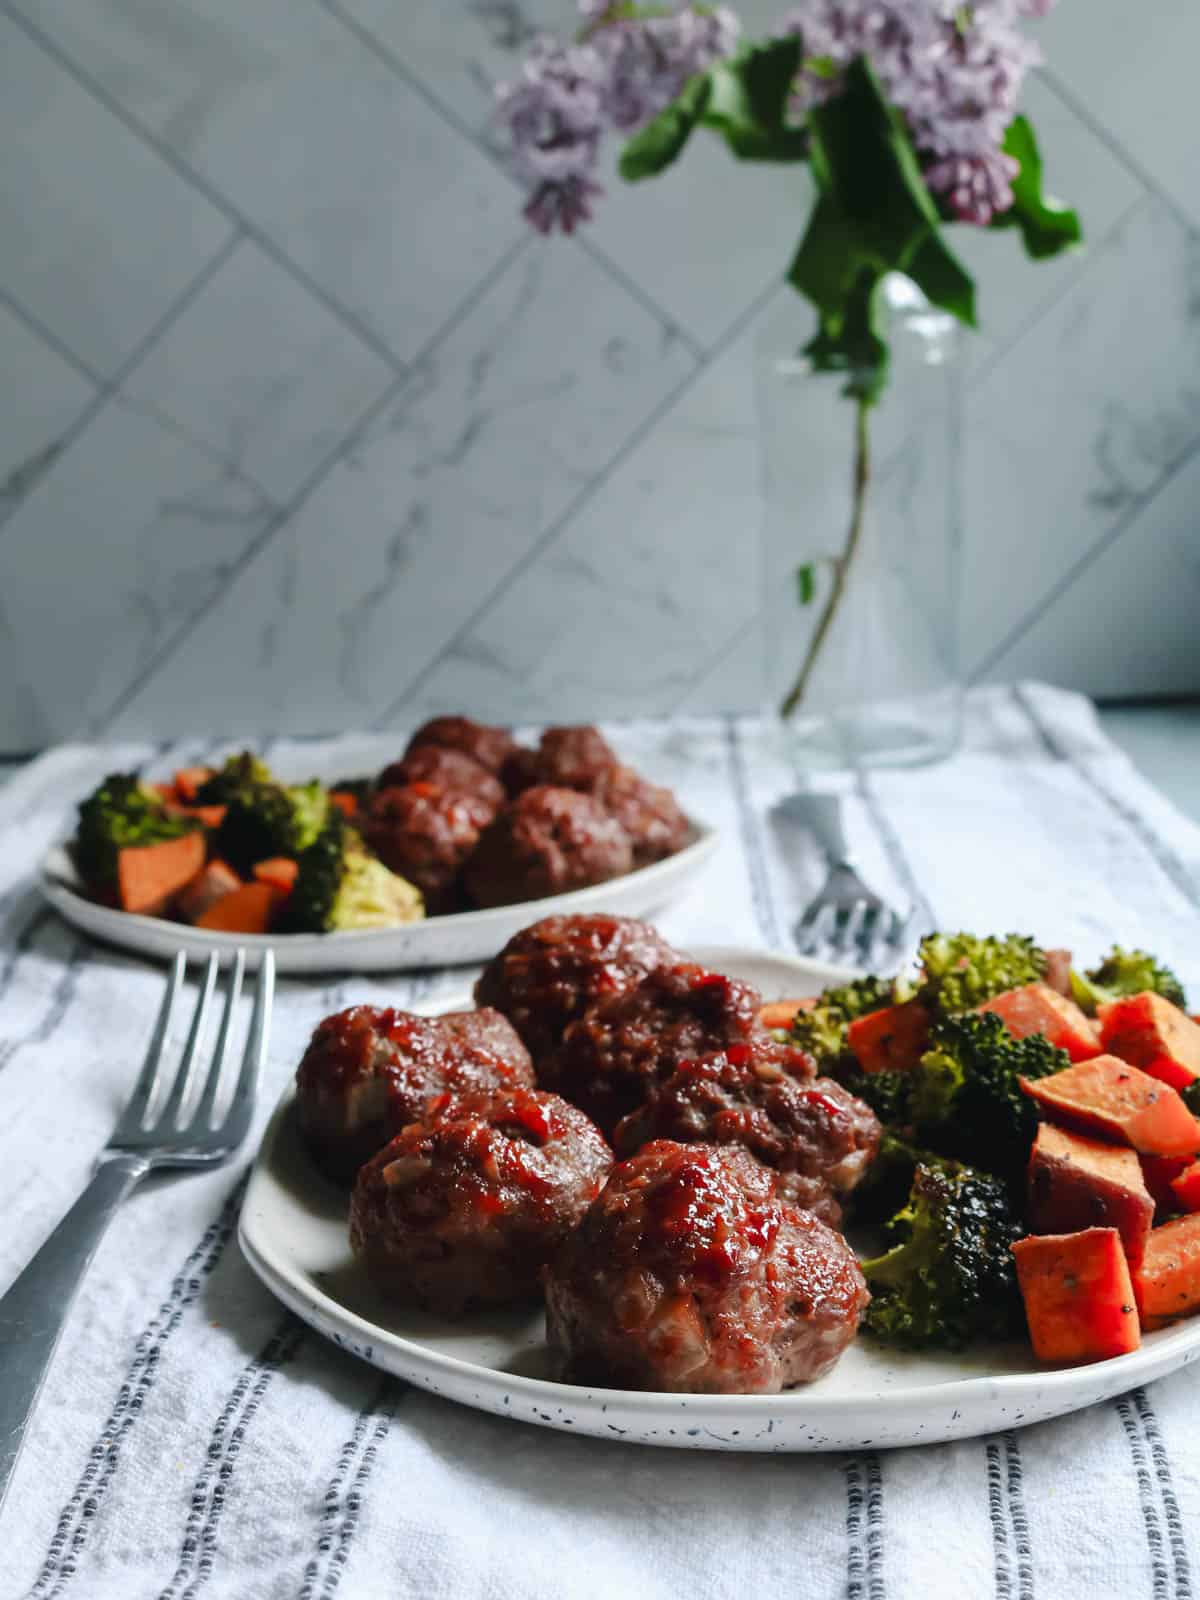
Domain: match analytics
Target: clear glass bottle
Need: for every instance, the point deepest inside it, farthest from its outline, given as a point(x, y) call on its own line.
point(875, 678)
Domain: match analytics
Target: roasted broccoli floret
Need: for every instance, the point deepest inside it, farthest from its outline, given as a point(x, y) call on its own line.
point(961, 970)
point(123, 812)
point(1125, 972)
point(966, 1102)
point(263, 817)
point(949, 1279)
point(886, 1184)
point(340, 885)
point(821, 1030)
point(887, 1093)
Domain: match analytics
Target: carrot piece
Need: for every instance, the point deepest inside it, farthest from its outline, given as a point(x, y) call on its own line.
point(211, 884)
point(1076, 1183)
point(164, 791)
point(210, 817)
point(188, 781)
point(280, 872)
point(344, 801)
point(1037, 1008)
point(1154, 1035)
point(1114, 1100)
point(246, 910)
point(1079, 1300)
point(149, 874)
point(891, 1039)
point(1185, 1186)
point(1160, 1173)
point(1167, 1283)
point(782, 1013)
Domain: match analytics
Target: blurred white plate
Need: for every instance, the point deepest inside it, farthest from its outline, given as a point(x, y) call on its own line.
point(293, 1233)
point(437, 942)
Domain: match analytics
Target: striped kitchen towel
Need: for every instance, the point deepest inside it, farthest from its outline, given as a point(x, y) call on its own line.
point(195, 1439)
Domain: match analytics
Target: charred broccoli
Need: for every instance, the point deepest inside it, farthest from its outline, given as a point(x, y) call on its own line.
point(341, 886)
point(821, 1030)
point(1125, 972)
point(966, 1102)
point(888, 1094)
point(263, 817)
point(961, 970)
point(949, 1279)
point(123, 812)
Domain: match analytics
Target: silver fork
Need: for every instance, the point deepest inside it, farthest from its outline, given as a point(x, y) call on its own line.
point(34, 1311)
point(847, 920)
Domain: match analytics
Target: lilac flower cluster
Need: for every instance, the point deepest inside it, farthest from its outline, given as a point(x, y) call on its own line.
point(955, 72)
point(618, 73)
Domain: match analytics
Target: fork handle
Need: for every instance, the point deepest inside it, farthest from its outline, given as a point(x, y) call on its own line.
point(823, 814)
point(35, 1309)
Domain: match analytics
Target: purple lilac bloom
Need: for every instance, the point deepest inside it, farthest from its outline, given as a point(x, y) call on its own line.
point(954, 71)
point(619, 74)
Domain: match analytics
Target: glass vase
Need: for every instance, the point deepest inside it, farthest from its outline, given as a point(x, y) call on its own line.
point(862, 540)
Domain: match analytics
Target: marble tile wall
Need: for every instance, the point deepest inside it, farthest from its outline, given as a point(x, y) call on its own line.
point(300, 428)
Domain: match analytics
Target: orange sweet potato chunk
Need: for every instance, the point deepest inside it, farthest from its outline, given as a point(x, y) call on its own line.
point(1167, 1282)
point(211, 884)
point(1185, 1188)
point(782, 1013)
point(149, 874)
point(246, 910)
point(1076, 1182)
point(1110, 1099)
point(1037, 1008)
point(1154, 1035)
point(1079, 1300)
point(892, 1039)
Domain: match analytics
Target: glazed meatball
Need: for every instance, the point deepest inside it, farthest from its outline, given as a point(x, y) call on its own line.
point(688, 1274)
point(491, 747)
point(650, 814)
point(613, 1056)
point(546, 842)
point(817, 1138)
point(519, 770)
point(464, 1207)
point(447, 769)
point(572, 758)
point(549, 973)
point(427, 834)
point(368, 1071)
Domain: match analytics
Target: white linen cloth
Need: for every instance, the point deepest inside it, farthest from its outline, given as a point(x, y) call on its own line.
point(194, 1438)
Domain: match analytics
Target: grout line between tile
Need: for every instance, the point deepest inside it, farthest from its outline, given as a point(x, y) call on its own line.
point(107, 389)
point(548, 537)
point(310, 485)
point(1132, 165)
point(1078, 567)
point(348, 319)
point(388, 57)
point(39, 329)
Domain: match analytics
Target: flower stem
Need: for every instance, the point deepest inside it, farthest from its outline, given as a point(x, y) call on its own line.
point(841, 565)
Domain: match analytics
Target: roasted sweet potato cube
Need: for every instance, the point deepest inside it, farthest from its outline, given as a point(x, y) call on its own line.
point(1037, 1008)
point(1160, 1173)
point(1185, 1188)
point(782, 1013)
point(1167, 1282)
point(1079, 1301)
point(1154, 1035)
point(892, 1039)
point(1109, 1098)
point(1076, 1183)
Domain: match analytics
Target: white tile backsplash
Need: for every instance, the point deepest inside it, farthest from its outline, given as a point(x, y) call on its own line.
point(288, 218)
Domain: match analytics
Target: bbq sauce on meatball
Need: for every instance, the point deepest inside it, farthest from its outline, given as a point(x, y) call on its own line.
point(650, 814)
point(489, 746)
point(546, 842)
point(426, 834)
point(572, 757)
point(689, 1275)
point(816, 1137)
point(369, 1070)
point(464, 1207)
point(612, 1057)
point(447, 769)
point(552, 971)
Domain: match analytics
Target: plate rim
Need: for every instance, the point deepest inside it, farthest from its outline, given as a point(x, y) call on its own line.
point(1172, 1348)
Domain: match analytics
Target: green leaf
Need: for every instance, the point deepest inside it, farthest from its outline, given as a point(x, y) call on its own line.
point(749, 102)
point(654, 147)
point(806, 583)
point(1047, 227)
point(874, 216)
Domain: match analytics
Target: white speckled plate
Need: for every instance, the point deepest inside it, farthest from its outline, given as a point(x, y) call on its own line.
point(436, 942)
point(293, 1233)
